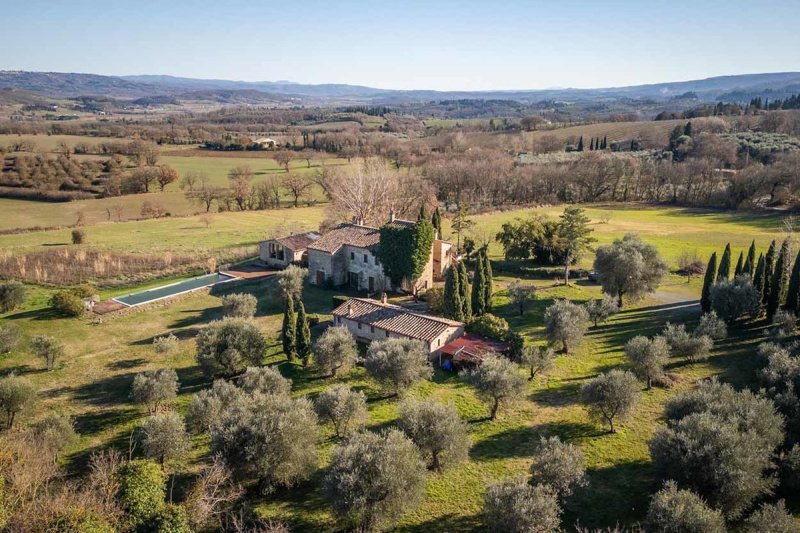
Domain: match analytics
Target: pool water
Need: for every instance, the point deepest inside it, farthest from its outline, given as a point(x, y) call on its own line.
point(173, 289)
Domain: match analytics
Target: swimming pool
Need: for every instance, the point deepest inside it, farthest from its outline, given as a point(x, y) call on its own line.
point(173, 289)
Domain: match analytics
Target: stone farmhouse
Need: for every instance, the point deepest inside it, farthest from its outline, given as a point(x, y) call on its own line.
point(283, 251)
point(370, 320)
point(345, 256)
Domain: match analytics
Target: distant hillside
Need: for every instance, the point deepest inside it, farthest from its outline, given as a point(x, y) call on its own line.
point(60, 85)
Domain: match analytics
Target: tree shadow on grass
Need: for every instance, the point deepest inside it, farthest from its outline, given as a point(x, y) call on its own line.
point(45, 313)
point(567, 431)
point(126, 364)
point(111, 390)
point(566, 393)
point(306, 502)
point(19, 370)
point(513, 442)
point(180, 334)
point(191, 379)
point(448, 523)
point(193, 318)
point(95, 422)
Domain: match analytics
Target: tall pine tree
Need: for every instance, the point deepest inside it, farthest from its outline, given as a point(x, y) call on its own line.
point(750, 262)
point(487, 281)
point(303, 332)
point(478, 287)
point(451, 297)
point(739, 265)
point(769, 267)
point(724, 271)
point(777, 289)
point(793, 292)
point(289, 330)
point(708, 281)
point(760, 276)
point(580, 144)
point(465, 288)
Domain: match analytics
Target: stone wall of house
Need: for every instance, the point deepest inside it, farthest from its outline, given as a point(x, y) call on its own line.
point(363, 263)
point(366, 333)
point(319, 261)
point(263, 254)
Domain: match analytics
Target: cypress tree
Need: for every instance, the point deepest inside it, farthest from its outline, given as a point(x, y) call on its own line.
point(289, 330)
point(724, 271)
point(793, 293)
point(436, 222)
point(478, 287)
point(687, 130)
point(422, 215)
point(750, 263)
point(580, 144)
point(739, 266)
point(464, 287)
point(777, 289)
point(708, 281)
point(487, 283)
point(759, 277)
point(769, 265)
point(303, 332)
point(451, 297)
point(605, 141)
point(591, 144)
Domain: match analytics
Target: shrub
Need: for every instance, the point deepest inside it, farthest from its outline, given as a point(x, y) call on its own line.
point(154, 387)
point(734, 299)
point(345, 408)
point(335, 351)
point(170, 519)
point(558, 465)
point(165, 344)
point(12, 294)
point(78, 236)
point(398, 363)
point(141, 489)
point(647, 357)
point(489, 326)
point(54, 433)
point(48, 348)
point(265, 380)
point(672, 509)
point(16, 393)
point(225, 347)
point(374, 479)
point(437, 430)
point(611, 396)
point(10, 335)
point(565, 323)
point(517, 507)
point(496, 380)
point(165, 438)
point(67, 303)
point(783, 324)
point(712, 326)
point(239, 305)
point(771, 518)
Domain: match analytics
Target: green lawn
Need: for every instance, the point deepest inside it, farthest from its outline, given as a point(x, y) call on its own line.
point(93, 380)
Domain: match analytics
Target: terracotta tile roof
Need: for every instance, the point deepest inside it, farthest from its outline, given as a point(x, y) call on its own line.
point(298, 241)
point(347, 235)
point(394, 318)
point(472, 348)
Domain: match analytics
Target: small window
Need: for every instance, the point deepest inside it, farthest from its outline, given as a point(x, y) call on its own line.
point(387, 333)
point(359, 325)
point(438, 342)
point(372, 329)
point(366, 259)
point(352, 256)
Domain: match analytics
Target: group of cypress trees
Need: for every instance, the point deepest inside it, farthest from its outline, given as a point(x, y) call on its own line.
point(594, 144)
point(463, 300)
point(777, 283)
point(295, 332)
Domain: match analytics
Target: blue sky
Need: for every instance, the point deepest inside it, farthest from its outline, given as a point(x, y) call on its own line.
point(443, 45)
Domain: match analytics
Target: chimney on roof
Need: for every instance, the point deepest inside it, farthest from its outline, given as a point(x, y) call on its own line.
point(349, 309)
point(391, 215)
point(383, 297)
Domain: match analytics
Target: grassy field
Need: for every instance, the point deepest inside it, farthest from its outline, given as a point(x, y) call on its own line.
point(48, 143)
point(656, 131)
point(93, 380)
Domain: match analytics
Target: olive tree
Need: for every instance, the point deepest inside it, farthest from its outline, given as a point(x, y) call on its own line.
point(647, 357)
point(734, 299)
point(518, 507)
point(271, 437)
point(374, 479)
point(538, 359)
point(676, 510)
point(164, 438)
point(346, 409)
point(225, 347)
point(154, 387)
point(207, 407)
point(565, 323)
point(12, 294)
point(496, 380)
point(559, 465)
point(264, 380)
point(239, 305)
point(712, 326)
point(48, 348)
point(398, 363)
point(54, 433)
point(10, 335)
point(520, 294)
point(335, 351)
point(629, 268)
point(771, 518)
point(599, 309)
point(611, 396)
point(16, 393)
point(437, 430)
point(289, 284)
point(684, 344)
